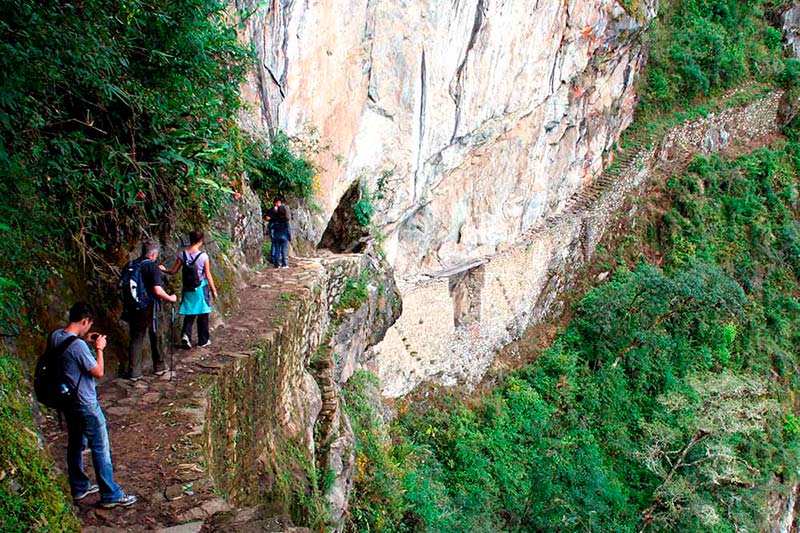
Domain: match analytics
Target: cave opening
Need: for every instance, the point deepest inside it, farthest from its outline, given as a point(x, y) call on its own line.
point(344, 234)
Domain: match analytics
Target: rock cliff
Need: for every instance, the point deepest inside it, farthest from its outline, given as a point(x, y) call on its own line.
point(468, 122)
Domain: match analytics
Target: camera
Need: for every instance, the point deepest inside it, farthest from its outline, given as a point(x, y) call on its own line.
point(93, 336)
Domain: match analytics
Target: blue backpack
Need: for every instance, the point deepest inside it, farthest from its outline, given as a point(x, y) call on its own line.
point(131, 286)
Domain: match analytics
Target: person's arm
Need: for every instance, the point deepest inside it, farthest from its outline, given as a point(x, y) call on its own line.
point(174, 268)
point(207, 271)
point(161, 293)
point(99, 347)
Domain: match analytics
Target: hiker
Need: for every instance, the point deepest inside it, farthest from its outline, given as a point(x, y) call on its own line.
point(198, 289)
point(86, 423)
point(280, 233)
point(143, 318)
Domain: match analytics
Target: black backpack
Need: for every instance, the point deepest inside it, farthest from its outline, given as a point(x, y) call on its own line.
point(191, 278)
point(50, 382)
point(131, 286)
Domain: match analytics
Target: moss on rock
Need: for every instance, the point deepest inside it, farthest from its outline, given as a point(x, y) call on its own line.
point(32, 494)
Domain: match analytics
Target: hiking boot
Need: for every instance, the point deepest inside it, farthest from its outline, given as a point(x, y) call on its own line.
point(126, 500)
point(185, 342)
point(205, 344)
point(94, 487)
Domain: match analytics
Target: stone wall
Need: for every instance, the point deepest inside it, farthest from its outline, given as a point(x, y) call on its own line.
point(454, 322)
point(274, 424)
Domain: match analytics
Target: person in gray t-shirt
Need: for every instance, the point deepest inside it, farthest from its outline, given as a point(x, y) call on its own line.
point(86, 423)
point(198, 291)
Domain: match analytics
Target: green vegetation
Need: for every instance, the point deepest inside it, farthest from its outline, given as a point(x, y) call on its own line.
point(31, 498)
point(364, 208)
point(354, 294)
point(668, 402)
point(299, 487)
point(699, 48)
point(119, 120)
point(665, 405)
point(285, 169)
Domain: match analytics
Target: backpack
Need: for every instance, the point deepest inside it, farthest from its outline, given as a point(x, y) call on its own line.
point(50, 382)
point(191, 278)
point(131, 286)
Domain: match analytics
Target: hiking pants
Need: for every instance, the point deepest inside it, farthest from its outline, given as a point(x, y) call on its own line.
point(86, 424)
point(140, 327)
point(202, 327)
point(279, 250)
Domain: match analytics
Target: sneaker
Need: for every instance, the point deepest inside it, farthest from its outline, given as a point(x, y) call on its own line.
point(205, 344)
point(161, 371)
point(185, 342)
point(126, 500)
point(285, 266)
point(134, 379)
point(94, 487)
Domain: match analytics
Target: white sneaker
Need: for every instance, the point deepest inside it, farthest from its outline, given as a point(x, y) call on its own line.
point(205, 344)
point(185, 342)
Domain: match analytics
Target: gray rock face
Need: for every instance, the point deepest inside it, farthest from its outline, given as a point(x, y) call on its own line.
point(453, 323)
point(470, 121)
point(790, 21)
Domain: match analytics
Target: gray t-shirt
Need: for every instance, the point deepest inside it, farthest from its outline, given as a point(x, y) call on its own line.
point(78, 359)
point(199, 264)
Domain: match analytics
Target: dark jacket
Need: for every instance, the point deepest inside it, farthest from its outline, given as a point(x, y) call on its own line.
point(279, 223)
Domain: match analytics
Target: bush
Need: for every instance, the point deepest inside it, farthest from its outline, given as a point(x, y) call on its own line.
point(701, 47)
point(790, 75)
point(287, 170)
point(364, 208)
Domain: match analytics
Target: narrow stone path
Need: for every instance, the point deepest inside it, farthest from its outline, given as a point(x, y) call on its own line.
point(156, 423)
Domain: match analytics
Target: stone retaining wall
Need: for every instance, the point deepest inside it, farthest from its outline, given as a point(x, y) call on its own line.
point(274, 423)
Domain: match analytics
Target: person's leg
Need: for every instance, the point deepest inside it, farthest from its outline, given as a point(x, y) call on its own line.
point(78, 480)
point(97, 437)
point(155, 350)
point(279, 244)
point(137, 334)
point(202, 329)
point(186, 332)
point(284, 246)
point(273, 251)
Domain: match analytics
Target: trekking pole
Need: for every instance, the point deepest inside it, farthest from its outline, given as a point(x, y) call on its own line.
point(172, 342)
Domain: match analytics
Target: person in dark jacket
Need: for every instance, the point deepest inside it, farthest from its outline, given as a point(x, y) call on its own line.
point(280, 233)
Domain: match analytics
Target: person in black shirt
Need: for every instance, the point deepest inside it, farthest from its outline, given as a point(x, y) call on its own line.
point(142, 322)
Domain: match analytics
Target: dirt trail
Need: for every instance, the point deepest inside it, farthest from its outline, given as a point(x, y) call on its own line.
point(155, 441)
